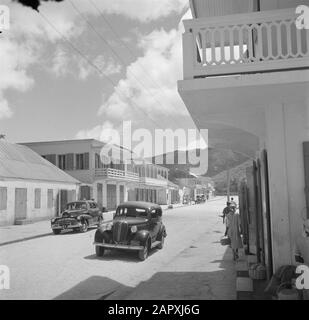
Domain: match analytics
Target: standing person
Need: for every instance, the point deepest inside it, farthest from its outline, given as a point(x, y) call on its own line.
point(233, 203)
point(234, 232)
point(225, 212)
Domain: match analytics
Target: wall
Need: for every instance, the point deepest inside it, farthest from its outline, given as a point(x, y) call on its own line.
point(7, 217)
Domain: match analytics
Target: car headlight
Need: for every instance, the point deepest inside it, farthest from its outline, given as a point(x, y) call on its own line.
point(78, 217)
point(53, 220)
point(134, 229)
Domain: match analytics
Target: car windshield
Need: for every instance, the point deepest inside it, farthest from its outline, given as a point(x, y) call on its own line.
point(76, 206)
point(131, 212)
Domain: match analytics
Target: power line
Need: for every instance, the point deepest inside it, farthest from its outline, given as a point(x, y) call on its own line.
point(125, 45)
point(114, 52)
point(95, 67)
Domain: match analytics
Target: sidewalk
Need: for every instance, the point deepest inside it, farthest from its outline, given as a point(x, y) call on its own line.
point(18, 233)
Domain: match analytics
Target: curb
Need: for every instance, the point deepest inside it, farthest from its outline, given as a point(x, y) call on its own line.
point(25, 239)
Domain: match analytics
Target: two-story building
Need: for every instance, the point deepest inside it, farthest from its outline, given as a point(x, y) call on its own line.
point(109, 183)
point(246, 79)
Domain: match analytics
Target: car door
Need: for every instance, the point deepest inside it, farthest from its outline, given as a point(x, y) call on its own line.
point(155, 223)
point(93, 212)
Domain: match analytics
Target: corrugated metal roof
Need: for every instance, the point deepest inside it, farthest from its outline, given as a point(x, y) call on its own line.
point(20, 162)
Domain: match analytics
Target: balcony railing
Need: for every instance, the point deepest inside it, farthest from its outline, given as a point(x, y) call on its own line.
point(244, 43)
point(116, 174)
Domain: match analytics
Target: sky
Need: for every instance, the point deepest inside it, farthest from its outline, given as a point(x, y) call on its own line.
point(80, 68)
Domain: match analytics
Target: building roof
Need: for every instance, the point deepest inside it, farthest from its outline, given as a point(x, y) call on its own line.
point(20, 162)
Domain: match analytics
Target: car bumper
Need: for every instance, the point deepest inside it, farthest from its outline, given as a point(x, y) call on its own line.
point(118, 246)
point(68, 226)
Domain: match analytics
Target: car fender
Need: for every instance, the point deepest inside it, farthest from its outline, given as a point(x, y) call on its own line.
point(102, 234)
point(142, 236)
point(85, 217)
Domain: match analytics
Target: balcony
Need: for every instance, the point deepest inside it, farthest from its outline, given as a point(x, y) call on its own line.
point(116, 174)
point(154, 182)
point(244, 43)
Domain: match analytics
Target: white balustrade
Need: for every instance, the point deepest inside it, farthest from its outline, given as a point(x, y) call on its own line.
point(244, 43)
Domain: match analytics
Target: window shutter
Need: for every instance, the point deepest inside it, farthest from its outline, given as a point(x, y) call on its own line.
point(86, 159)
point(69, 159)
point(3, 198)
point(306, 166)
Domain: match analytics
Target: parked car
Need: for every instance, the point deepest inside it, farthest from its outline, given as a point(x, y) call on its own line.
point(78, 216)
point(136, 226)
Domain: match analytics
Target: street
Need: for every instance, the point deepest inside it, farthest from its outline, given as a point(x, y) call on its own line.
point(66, 267)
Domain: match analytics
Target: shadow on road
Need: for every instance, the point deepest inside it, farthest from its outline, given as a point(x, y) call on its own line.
point(93, 288)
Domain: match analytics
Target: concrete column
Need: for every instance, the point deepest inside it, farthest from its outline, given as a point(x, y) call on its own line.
point(278, 185)
point(126, 190)
point(188, 48)
point(104, 199)
point(117, 194)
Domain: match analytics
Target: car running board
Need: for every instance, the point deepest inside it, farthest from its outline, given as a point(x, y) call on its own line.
point(155, 244)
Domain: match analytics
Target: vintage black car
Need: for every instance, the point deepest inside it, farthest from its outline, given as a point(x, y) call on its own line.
point(136, 226)
point(78, 215)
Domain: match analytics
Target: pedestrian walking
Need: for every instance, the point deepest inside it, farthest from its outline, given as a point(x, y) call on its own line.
point(225, 212)
point(234, 231)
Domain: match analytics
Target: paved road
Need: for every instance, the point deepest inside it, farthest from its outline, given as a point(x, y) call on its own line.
point(65, 266)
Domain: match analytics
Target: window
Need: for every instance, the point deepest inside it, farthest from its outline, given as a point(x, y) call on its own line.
point(61, 162)
point(50, 197)
point(3, 198)
point(37, 198)
point(82, 161)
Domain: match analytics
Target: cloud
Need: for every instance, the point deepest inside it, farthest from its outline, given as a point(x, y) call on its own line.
point(150, 85)
point(5, 111)
point(107, 66)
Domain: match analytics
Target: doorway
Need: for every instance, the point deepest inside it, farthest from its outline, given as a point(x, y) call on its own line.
point(20, 203)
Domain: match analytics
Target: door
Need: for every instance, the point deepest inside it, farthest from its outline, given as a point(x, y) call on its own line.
point(63, 199)
point(121, 194)
point(268, 238)
point(111, 197)
point(84, 193)
point(93, 212)
point(20, 203)
point(155, 223)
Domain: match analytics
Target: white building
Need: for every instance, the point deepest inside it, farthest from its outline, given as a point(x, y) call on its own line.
point(246, 79)
point(31, 188)
point(109, 184)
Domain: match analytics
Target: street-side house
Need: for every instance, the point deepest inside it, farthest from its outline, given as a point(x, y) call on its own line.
point(153, 183)
point(31, 188)
point(107, 183)
point(111, 183)
point(246, 79)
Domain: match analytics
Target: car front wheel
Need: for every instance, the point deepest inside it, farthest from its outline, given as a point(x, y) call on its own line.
point(143, 254)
